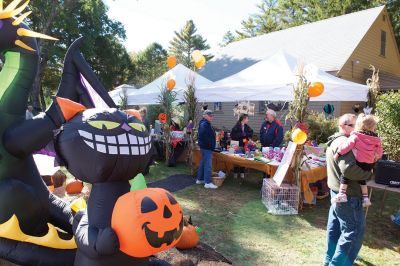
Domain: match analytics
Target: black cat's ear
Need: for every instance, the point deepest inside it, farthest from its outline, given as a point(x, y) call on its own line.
point(79, 83)
point(134, 112)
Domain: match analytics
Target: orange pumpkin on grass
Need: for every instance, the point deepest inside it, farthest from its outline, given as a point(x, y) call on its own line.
point(190, 236)
point(74, 187)
point(147, 221)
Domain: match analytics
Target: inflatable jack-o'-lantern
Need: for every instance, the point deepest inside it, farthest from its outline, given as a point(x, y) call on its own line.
point(147, 221)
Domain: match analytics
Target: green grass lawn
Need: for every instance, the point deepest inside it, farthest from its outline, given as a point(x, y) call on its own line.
point(235, 222)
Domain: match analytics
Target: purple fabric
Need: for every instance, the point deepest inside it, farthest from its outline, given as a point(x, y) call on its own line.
point(45, 152)
point(85, 84)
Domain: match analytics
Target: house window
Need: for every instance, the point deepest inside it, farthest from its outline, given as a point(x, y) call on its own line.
point(274, 105)
point(261, 107)
point(217, 106)
point(383, 43)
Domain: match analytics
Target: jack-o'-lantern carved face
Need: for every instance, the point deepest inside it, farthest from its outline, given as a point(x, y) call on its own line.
point(147, 221)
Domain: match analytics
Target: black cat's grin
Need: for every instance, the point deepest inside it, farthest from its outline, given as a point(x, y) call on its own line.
point(123, 144)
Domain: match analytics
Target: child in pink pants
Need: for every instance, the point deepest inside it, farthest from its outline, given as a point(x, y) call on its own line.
point(367, 148)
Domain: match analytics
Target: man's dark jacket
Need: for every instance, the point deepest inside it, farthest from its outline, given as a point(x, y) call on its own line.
point(271, 134)
point(206, 135)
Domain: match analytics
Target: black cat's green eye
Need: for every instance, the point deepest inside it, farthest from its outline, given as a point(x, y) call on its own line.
point(103, 124)
point(138, 126)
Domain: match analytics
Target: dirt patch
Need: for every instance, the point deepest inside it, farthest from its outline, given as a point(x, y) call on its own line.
point(202, 255)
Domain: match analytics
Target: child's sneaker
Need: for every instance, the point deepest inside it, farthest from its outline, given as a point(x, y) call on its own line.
point(199, 182)
point(242, 175)
point(366, 202)
point(341, 197)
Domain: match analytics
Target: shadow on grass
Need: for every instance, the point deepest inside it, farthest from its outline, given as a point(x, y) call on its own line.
point(236, 223)
point(160, 171)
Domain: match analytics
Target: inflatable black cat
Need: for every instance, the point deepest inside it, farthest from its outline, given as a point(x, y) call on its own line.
point(104, 147)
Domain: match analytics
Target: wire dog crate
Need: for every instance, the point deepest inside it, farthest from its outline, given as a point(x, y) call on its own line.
point(283, 200)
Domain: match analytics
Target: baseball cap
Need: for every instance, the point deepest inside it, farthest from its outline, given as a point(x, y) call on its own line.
point(208, 112)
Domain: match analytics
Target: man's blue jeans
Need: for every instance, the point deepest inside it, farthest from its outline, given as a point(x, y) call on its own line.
point(345, 231)
point(205, 166)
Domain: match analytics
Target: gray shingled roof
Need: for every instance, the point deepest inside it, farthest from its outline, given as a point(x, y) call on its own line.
point(327, 43)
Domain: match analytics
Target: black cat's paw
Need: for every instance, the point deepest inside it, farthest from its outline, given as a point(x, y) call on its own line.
point(107, 242)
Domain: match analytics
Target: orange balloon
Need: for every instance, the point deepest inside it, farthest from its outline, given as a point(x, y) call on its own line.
point(201, 62)
point(171, 61)
point(315, 89)
point(162, 118)
point(171, 84)
point(147, 221)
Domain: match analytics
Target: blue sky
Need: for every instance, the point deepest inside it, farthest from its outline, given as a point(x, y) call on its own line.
point(147, 21)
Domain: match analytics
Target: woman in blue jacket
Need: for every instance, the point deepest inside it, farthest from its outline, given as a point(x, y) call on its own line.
point(271, 132)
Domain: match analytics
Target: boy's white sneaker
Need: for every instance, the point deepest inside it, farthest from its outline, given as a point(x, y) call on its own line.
point(199, 182)
point(210, 185)
point(242, 175)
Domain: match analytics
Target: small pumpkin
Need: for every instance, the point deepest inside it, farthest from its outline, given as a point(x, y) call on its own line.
point(299, 136)
point(171, 61)
point(315, 89)
point(75, 187)
point(190, 236)
point(147, 221)
point(162, 118)
point(171, 84)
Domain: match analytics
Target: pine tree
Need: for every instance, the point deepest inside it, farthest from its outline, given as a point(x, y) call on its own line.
point(185, 42)
point(227, 39)
point(149, 64)
point(276, 15)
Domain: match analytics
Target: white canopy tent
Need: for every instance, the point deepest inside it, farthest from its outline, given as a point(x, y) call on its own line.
point(273, 79)
point(119, 92)
point(182, 75)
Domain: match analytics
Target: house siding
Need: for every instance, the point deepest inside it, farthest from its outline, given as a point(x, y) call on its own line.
point(368, 52)
point(226, 119)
